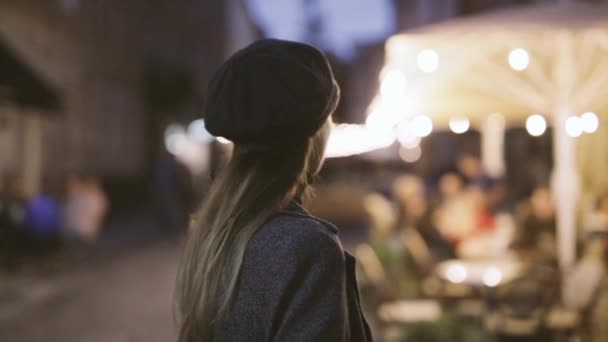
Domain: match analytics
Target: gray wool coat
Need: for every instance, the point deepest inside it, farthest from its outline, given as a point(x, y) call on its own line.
point(296, 284)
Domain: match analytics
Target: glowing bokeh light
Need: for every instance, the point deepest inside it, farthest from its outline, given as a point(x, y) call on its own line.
point(428, 60)
point(589, 122)
point(459, 125)
point(406, 135)
point(349, 139)
point(536, 125)
point(386, 114)
point(492, 277)
point(519, 59)
point(574, 126)
point(456, 273)
point(422, 125)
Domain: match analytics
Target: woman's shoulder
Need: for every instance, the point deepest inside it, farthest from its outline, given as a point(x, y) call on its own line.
point(295, 237)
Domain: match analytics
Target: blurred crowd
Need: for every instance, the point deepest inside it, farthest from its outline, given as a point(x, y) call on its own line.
point(466, 215)
point(72, 212)
point(37, 225)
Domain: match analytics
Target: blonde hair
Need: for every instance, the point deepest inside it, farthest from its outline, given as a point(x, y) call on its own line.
point(256, 184)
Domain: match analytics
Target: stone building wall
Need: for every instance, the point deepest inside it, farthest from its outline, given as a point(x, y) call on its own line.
point(98, 54)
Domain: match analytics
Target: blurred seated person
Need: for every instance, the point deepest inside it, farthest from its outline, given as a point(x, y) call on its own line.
point(42, 216)
point(470, 167)
point(484, 219)
point(602, 208)
point(43, 223)
point(415, 219)
point(85, 208)
point(463, 215)
point(384, 261)
point(7, 228)
point(536, 235)
point(597, 310)
point(450, 187)
point(494, 225)
point(381, 214)
point(13, 236)
point(5, 216)
point(597, 219)
point(16, 200)
point(497, 196)
point(453, 214)
point(584, 279)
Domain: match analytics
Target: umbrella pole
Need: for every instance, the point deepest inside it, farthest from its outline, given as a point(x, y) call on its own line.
point(565, 185)
point(492, 145)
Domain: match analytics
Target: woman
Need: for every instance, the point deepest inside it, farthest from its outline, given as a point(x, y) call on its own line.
point(257, 266)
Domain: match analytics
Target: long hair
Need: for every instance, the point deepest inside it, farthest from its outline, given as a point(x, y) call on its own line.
point(257, 183)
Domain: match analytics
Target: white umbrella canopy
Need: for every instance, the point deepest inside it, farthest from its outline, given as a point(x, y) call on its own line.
point(550, 59)
point(567, 14)
point(462, 67)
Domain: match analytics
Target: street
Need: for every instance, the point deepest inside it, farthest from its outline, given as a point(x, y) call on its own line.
point(122, 295)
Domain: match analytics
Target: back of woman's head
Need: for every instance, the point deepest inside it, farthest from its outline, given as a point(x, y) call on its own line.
point(273, 99)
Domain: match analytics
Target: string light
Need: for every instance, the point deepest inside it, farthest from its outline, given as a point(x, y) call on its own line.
point(519, 59)
point(422, 126)
point(574, 126)
point(428, 60)
point(589, 122)
point(456, 273)
point(536, 125)
point(459, 125)
point(492, 277)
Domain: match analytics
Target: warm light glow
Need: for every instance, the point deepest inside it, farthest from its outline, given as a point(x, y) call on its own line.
point(574, 126)
point(347, 140)
point(184, 147)
point(410, 143)
point(406, 136)
point(456, 273)
point(428, 60)
point(385, 114)
point(536, 125)
point(410, 155)
point(492, 277)
point(459, 125)
point(589, 122)
point(223, 140)
point(198, 133)
point(393, 84)
point(422, 125)
point(380, 120)
point(174, 133)
point(519, 59)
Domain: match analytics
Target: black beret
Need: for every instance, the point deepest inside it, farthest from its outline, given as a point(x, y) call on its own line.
point(271, 91)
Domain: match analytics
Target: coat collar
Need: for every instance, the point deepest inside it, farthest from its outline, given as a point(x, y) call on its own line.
point(296, 209)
